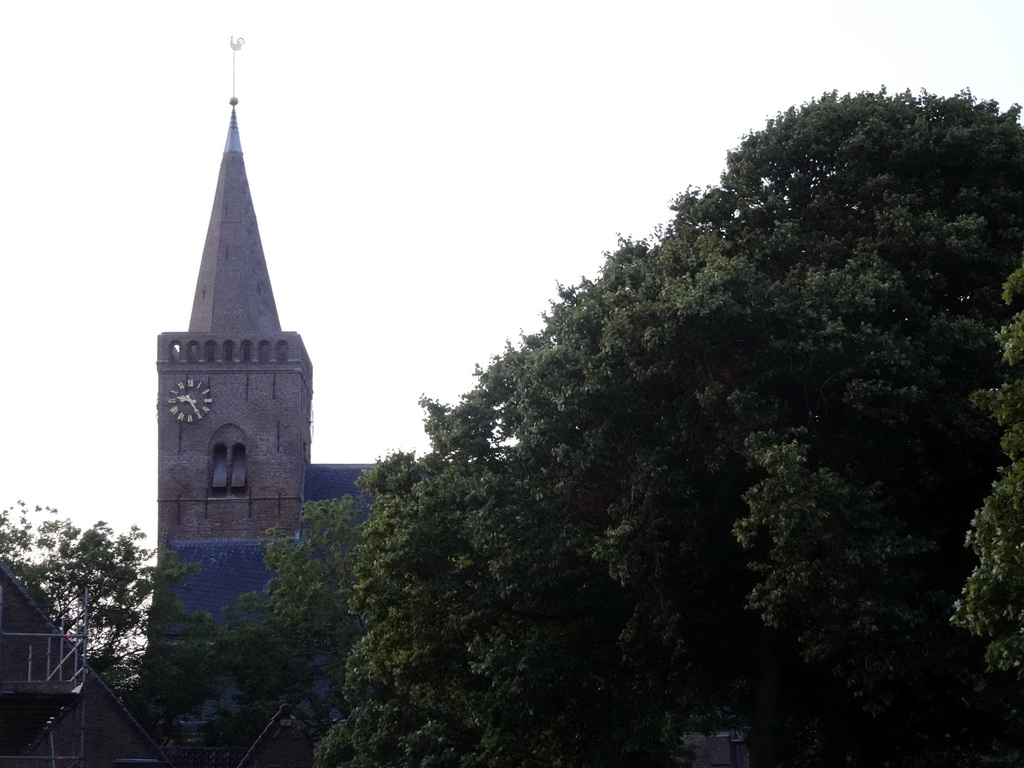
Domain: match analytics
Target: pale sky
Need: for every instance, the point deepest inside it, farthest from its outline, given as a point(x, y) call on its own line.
point(424, 174)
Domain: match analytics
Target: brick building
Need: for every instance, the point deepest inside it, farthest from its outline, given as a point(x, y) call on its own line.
point(234, 414)
point(234, 409)
point(53, 707)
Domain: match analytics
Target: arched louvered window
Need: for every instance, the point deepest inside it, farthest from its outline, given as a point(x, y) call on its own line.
point(228, 470)
point(238, 469)
point(219, 470)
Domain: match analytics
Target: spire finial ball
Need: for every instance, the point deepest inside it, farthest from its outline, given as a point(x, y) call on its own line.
point(233, 101)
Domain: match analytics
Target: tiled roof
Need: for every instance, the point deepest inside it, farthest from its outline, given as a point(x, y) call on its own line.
point(233, 293)
point(227, 569)
point(230, 568)
point(332, 481)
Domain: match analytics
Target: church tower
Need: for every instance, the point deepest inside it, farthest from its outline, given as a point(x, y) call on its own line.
point(235, 391)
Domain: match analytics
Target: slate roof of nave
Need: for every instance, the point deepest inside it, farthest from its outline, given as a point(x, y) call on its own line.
point(227, 569)
point(332, 481)
point(233, 567)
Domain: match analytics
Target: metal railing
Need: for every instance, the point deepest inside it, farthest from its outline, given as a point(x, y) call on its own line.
point(54, 663)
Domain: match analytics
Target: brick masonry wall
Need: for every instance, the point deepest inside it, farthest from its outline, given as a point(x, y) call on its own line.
point(17, 617)
point(265, 406)
point(109, 733)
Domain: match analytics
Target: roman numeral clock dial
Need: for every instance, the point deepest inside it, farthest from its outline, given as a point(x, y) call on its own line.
point(189, 401)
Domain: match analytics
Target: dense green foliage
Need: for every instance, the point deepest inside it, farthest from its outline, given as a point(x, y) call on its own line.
point(285, 645)
point(289, 645)
point(60, 563)
point(180, 669)
point(727, 483)
point(993, 601)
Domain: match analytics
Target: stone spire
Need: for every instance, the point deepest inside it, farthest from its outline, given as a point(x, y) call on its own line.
point(233, 293)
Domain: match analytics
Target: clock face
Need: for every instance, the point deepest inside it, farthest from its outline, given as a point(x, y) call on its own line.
point(189, 400)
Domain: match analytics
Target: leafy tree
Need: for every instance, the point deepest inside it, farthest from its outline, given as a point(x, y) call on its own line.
point(727, 483)
point(17, 529)
point(285, 645)
point(179, 671)
point(992, 605)
point(289, 644)
point(59, 563)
